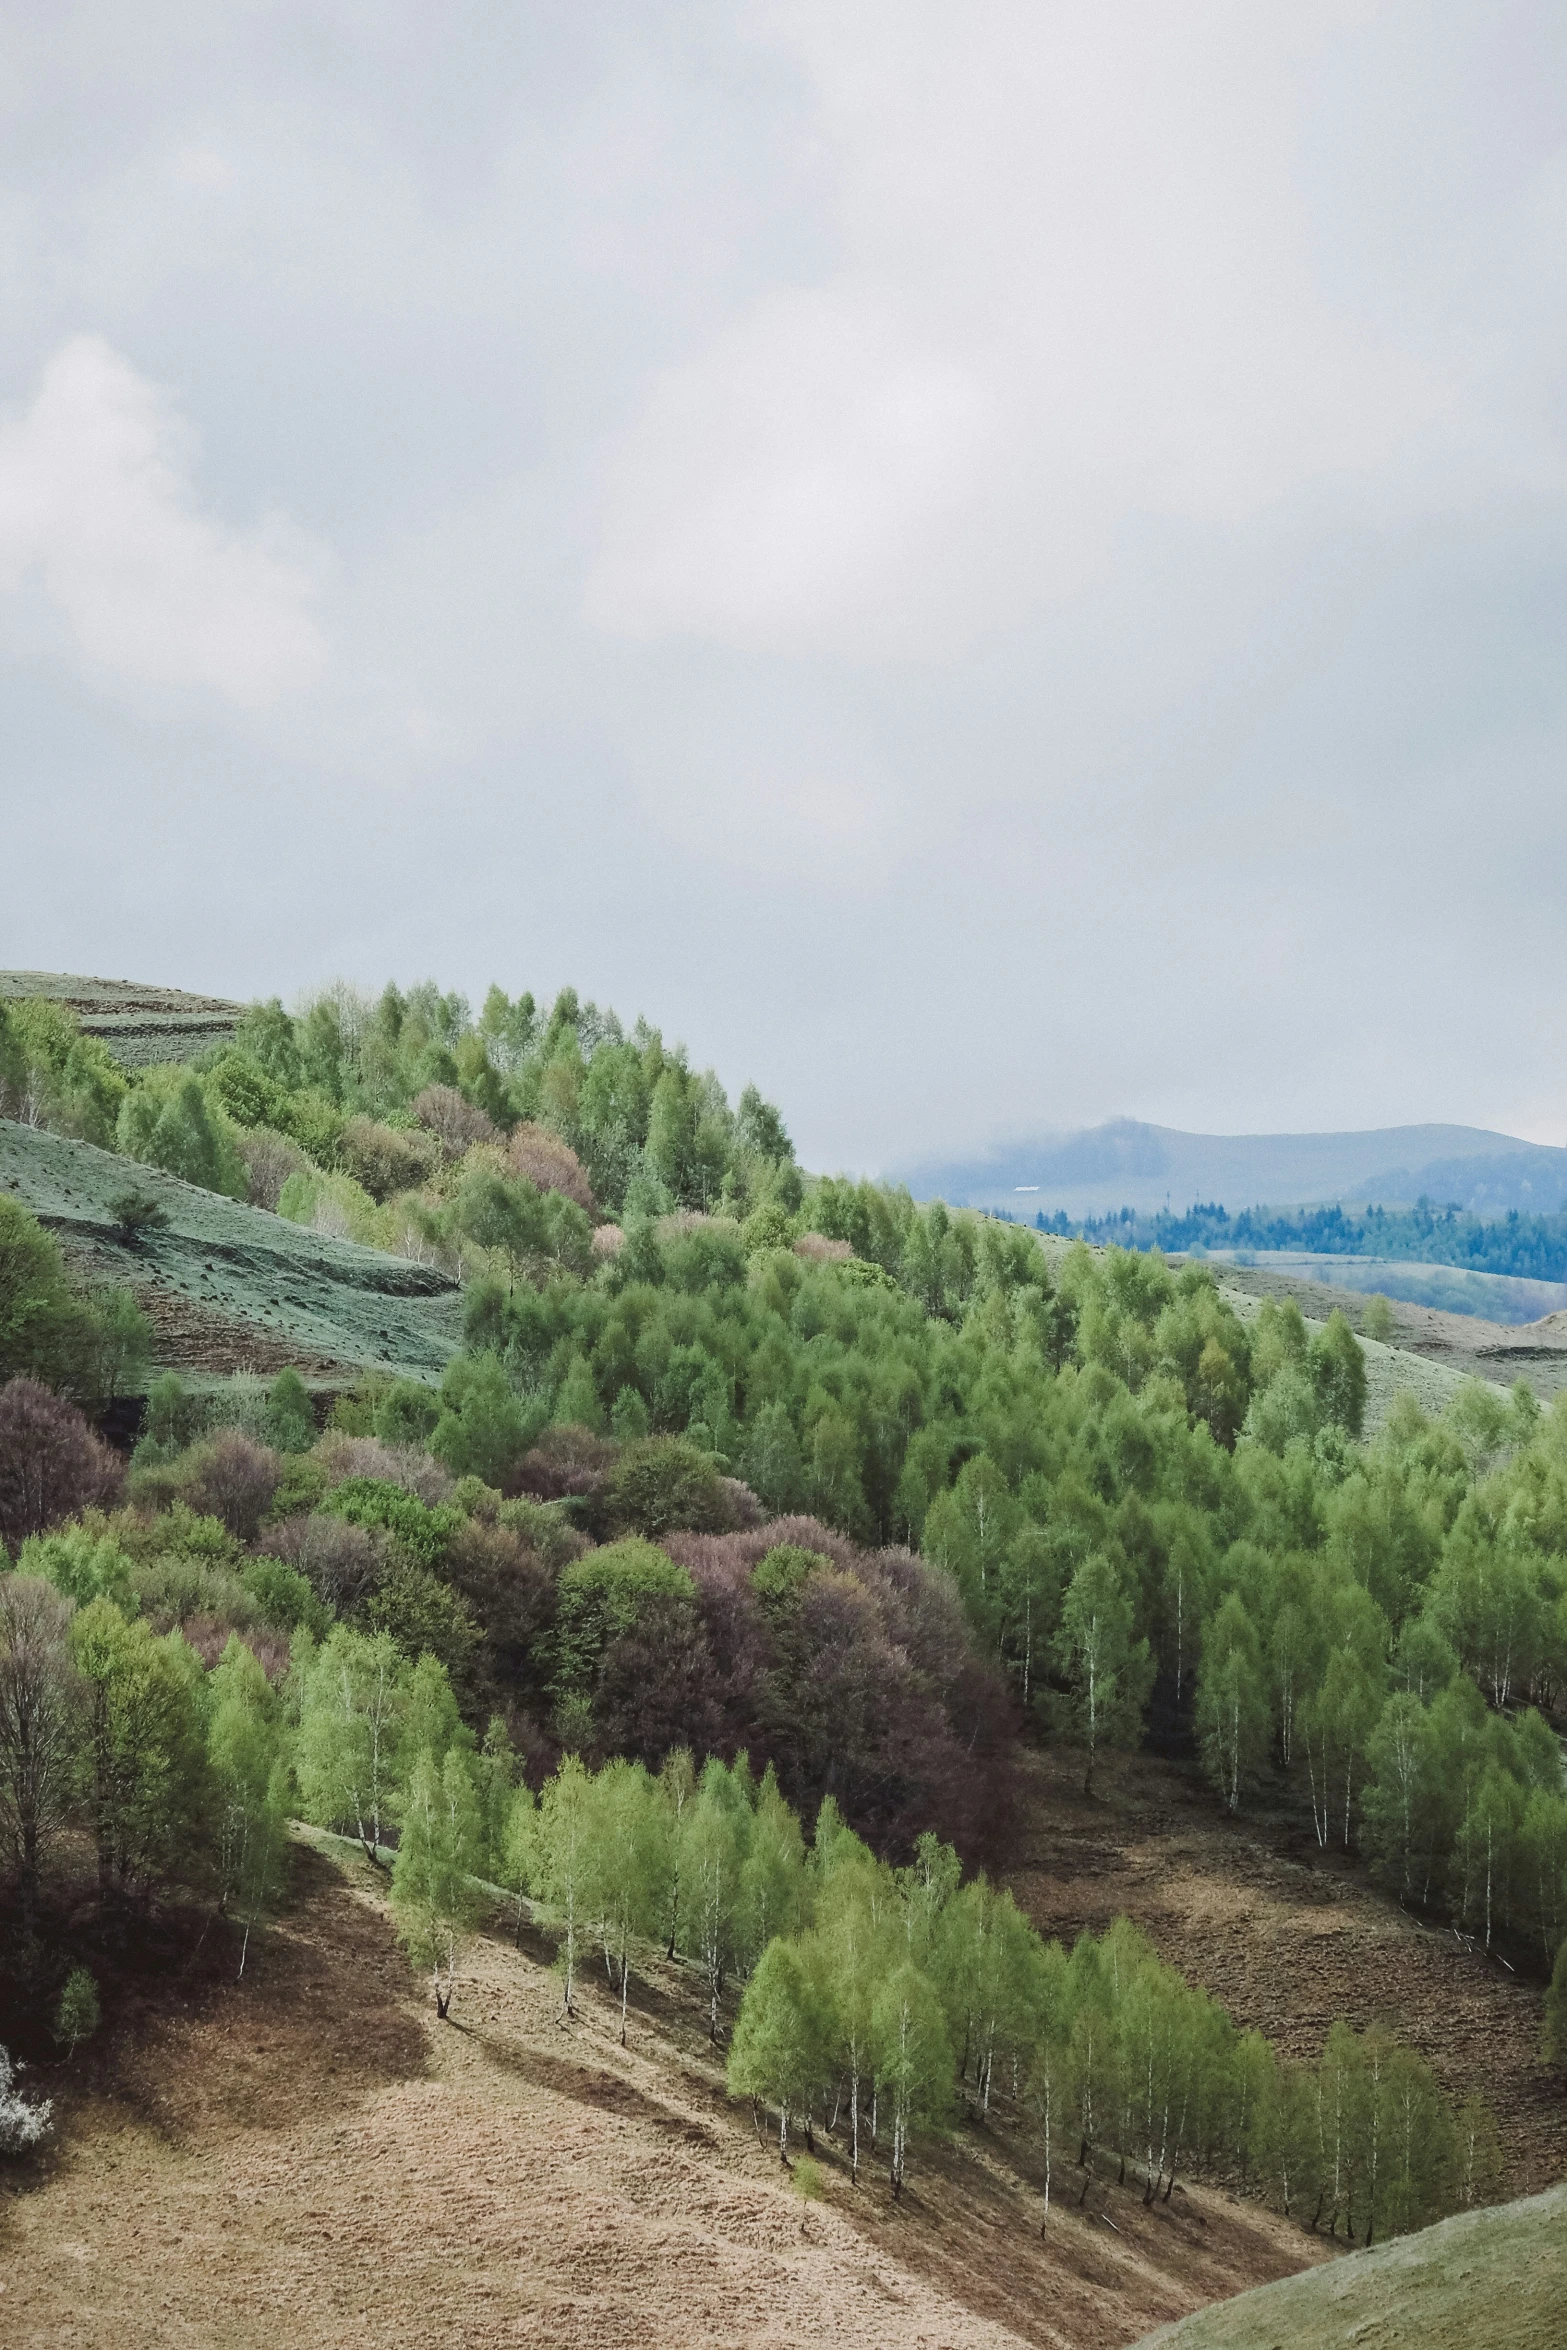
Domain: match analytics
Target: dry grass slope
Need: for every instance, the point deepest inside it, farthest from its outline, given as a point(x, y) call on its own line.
point(311, 2159)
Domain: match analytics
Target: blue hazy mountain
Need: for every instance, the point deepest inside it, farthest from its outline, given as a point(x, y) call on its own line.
point(1128, 1164)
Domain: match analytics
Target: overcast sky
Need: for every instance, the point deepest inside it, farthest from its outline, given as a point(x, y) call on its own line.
point(988, 566)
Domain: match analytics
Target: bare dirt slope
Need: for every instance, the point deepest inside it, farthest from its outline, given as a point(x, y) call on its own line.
point(1288, 1939)
point(311, 2160)
point(229, 1287)
point(1487, 2280)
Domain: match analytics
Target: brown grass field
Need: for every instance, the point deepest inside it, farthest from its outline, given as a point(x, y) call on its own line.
point(1288, 1938)
point(309, 2159)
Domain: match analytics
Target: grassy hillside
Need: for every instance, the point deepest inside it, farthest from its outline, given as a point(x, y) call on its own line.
point(140, 1025)
point(230, 1287)
point(1487, 2280)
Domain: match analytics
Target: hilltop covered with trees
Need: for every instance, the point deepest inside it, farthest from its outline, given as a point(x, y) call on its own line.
point(1532, 1248)
point(738, 1460)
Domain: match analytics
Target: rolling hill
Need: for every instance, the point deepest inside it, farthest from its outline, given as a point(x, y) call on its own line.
point(1129, 1164)
point(229, 1287)
point(1486, 2280)
point(139, 1024)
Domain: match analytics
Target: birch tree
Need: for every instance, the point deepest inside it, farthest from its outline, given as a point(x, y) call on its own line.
point(246, 1749)
point(352, 1710)
point(435, 1899)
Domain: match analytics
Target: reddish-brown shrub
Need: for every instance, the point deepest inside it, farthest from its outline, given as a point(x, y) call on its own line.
point(342, 1563)
point(566, 1460)
point(817, 1249)
point(550, 1164)
point(456, 1124)
point(868, 1688)
point(52, 1465)
point(232, 1478)
point(511, 1593)
point(269, 1160)
point(395, 1464)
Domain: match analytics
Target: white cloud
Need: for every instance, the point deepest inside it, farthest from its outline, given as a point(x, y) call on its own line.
point(97, 508)
point(781, 485)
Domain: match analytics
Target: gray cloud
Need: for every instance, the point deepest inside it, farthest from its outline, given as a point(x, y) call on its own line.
point(991, 569)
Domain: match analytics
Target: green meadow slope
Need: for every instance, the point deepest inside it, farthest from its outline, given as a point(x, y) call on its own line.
point(1488, 2280)
point(230, 1287)
point(139, 1024)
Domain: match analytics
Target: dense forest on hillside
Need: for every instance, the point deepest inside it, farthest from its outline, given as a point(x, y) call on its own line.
point(735, 1460)
point(1531, 1247)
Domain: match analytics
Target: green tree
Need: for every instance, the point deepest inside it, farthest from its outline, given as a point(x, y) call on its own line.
point(1108, 1673)
point(246, 1750)
point(289, 1423)
point(1338, 1374)
point(1402, 1808)
point(1487, 1849)
point(1233, 1724)
point(772, 1875)
point(714, 1834)
point(39, 1697)
point(434, 1898)
point(783, 2036)
point(147, 1788)
point(913, 2058)
point(562, 1859)
point(484, 1427)
point(351, 1712)
point(628, 1864)
point(78, 2014)
point(1338, 1722)
point(165, 1121)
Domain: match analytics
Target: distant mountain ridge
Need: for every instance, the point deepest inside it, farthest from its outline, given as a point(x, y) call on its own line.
point(1126, 1163)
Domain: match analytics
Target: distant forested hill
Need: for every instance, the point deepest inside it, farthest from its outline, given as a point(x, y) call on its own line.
point(1126, 1164)
point(1532, 1248)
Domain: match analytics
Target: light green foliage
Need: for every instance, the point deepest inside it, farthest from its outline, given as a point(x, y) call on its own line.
point(434, 1898)
point(783, 2036)
point(913, 2061)
point(166, 1120)
point(714, 1838)
point(87, 1346)
point(1233, 1721)
point(353, 1703)
point(1108, 1673)
point(406, 1413)
point(144, 1752)
point(78, 2015)
point(84, 1563)
point(51, 1075)
point(483, 1426)
point(630, 1865)
point(561, 1859)
point(773, 1888)
point(247, 1750)
point(598, 1598)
